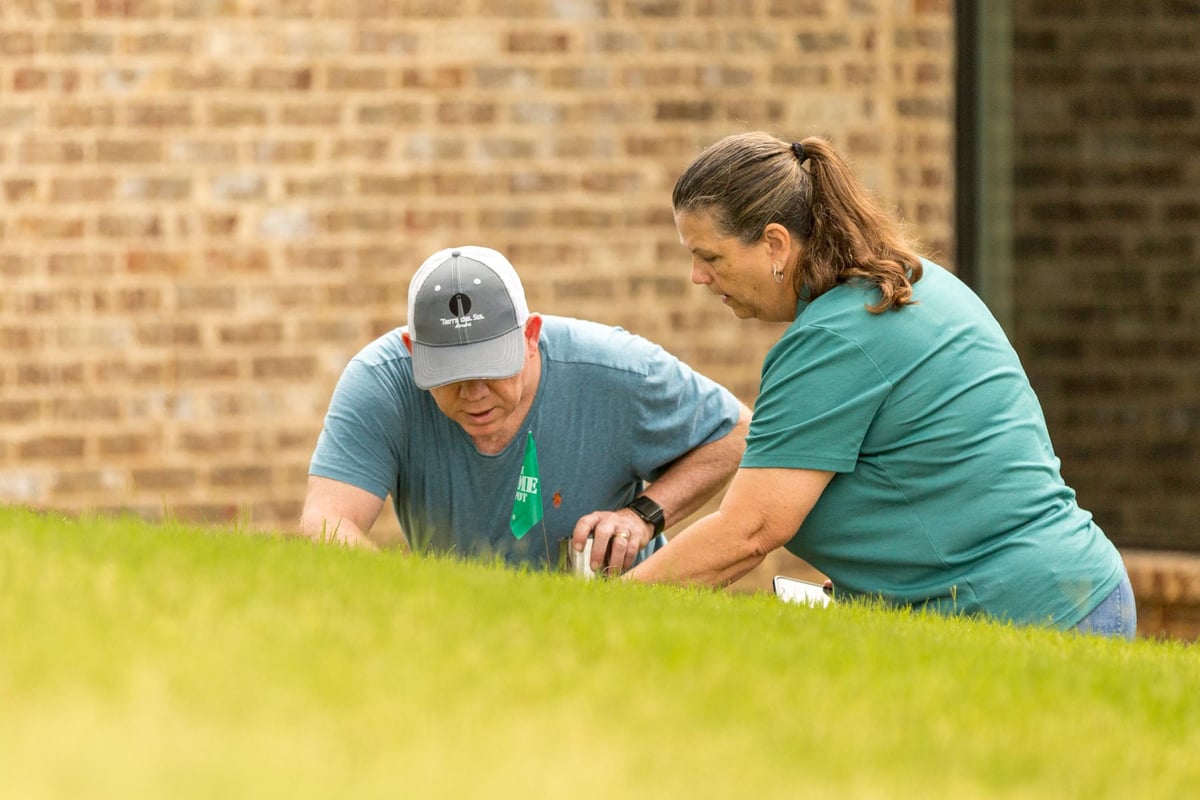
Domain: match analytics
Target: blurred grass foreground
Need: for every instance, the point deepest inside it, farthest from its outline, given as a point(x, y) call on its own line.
point(151, 661)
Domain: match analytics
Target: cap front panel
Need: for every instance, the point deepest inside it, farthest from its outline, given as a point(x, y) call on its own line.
point(461, 302)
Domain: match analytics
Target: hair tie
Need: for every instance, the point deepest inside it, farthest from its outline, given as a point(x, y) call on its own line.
point(798, 149)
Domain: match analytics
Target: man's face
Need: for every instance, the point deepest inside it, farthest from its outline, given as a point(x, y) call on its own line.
point(491, 410)
point(482, 407)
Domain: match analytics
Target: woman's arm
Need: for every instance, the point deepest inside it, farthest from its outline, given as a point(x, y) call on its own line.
point(762, 510)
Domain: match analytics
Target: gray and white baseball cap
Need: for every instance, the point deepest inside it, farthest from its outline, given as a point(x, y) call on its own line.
point(466, 317)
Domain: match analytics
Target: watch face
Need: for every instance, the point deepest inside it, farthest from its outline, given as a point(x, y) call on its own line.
point(649, 511)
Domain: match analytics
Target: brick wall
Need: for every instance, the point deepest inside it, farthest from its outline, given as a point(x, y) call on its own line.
point(1107, 253)
point(208, 206)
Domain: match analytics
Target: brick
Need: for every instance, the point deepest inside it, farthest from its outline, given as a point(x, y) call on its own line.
point(238, 186)
point(24, 338)
point(209, 77)
point(13, 266)
point(79, 265)
point(17, 190)
point(432, 78)
point(322, 187)
point(20, 412)
point(780, 8)
point(168, 334)
point(722, 8)
point(127, 300)
point(265, 79)
point(230, 115)
point(130, 226)
point(683, 110)
point(284, 367)
point(220, 443)
point(127, 9)
point(72, 115)
point(360, 149)
point(205, 298)
point(390, 42)
point(160, 115)
point(361, 79)
point(84, 409)
point(49, 152)
point(128, 374)
point(128, 151)
point(324, 332)
point(652, 8)
point(80, 43)
point(47, 228)
point(160, 478)
point(241, 477)
point(202, 152)
point(205, 369)
point(283, 152)
point(43, 448)
point(158, 43)
point(75, 190)
point(543, 42)
point(49, 374)
point(466, 113)
point(315, 114)
point(390, 114)
point(220, 225)
point(126, 444)
point(154, 189)
point(240, 261)
point(17, 43)
point(71, 481)
point(252, 333)
point(282, 9)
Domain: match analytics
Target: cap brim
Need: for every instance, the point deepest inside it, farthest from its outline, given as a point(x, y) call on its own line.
point(501, 357)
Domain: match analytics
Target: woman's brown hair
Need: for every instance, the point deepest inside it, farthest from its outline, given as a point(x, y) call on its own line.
point(749, 180)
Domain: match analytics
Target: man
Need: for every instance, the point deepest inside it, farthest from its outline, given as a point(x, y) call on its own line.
point(456, 413)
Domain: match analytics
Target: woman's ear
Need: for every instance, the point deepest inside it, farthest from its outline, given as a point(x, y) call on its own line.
point(778, 240)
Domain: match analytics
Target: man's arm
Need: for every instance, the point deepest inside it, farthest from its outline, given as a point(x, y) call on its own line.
point(338, 512)
point(685, 486)
point(693, 478)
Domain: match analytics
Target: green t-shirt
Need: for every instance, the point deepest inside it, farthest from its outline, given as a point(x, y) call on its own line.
point(947, 491)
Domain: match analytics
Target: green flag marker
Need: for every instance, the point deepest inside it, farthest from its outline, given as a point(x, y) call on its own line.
point(527, 504)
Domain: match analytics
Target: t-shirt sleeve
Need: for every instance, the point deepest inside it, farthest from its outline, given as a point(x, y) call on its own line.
point(678, 409)
point(358, 444)
point(820, 393)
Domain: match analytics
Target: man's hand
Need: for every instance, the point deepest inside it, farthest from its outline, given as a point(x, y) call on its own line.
point(617, 538)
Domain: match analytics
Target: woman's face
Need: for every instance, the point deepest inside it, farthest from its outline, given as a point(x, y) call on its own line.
point(741, 275)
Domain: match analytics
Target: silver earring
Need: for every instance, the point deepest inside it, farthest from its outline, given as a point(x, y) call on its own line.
point(777, 273)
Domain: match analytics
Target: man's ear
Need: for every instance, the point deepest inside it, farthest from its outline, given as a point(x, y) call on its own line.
point(407, 341)
point(533, 329)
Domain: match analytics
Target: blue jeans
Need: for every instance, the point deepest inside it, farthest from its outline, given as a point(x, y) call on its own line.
point(1115, 616)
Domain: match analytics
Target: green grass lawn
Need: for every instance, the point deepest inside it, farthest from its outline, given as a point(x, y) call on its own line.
point(151, 661)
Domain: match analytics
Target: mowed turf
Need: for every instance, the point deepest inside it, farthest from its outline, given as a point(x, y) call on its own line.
point(161, 661)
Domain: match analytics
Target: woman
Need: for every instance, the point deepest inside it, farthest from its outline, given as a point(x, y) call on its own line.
point(896, 443)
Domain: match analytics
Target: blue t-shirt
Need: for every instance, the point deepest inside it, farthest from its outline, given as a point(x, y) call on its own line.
point(947, 489)
point(612, 411)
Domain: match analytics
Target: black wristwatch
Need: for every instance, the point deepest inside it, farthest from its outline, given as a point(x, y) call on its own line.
point(649, 511)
